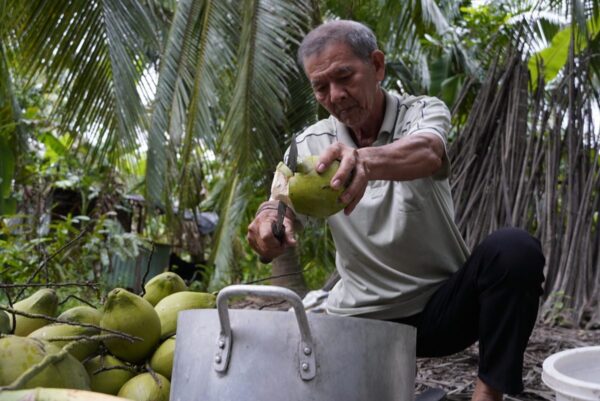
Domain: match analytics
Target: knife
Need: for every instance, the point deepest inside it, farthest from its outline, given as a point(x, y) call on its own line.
point(277, 226)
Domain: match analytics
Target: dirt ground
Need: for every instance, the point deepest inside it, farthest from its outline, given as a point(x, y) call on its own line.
point(456, 374)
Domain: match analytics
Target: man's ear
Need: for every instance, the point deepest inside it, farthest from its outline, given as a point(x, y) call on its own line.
point(378, 60)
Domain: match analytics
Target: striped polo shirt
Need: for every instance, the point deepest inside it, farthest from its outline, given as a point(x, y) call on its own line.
point(400, 242)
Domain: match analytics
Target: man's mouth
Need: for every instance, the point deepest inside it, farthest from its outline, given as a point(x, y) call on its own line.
point(346, 110)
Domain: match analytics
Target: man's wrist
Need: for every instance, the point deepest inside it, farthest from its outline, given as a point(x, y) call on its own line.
point(274, 205)
point(265, 206)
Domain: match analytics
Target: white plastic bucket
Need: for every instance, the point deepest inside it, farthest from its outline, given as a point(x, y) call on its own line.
point(574, 374)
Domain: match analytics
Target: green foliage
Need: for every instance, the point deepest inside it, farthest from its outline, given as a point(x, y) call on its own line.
point(8, 205)
point(100, 82)
point(485, 28)
point(41, 245)
point(9, 131)
point(317, 254)
point(553, 58)
point(74, 250)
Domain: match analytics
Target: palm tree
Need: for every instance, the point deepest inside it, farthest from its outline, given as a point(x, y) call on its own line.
point(229, 94)
point(227, 87)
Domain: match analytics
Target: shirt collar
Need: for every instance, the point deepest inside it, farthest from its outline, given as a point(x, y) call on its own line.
point(391, 114)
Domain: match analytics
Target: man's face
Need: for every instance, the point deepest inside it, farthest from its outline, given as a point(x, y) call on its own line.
point(345, 84)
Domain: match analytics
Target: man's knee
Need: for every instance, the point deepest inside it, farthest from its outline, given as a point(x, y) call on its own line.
point(515, 257)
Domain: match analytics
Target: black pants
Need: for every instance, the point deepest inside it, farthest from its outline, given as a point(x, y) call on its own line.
point(493, 298)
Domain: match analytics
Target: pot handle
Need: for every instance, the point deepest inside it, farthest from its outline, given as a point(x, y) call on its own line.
point(306, 351)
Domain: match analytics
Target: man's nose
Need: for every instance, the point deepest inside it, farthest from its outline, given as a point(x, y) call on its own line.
point(337, 93)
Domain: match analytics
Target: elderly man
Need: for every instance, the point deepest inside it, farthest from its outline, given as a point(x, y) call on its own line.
point(399, 253)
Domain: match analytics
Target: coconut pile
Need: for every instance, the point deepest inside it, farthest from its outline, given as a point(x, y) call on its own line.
point(125, 350)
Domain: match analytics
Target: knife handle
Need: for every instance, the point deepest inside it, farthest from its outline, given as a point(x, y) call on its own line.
point(280, 237)
point(279, 234)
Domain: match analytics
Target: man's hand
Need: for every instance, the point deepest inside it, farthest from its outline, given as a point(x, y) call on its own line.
point(260, 232)
point(408, 158)
point(352, 172)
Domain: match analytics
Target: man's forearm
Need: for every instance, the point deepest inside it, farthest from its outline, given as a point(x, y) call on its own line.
point(408, 158)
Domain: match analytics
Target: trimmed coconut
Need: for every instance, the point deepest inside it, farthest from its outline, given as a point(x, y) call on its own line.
point(310, 192)
point(163, 285)
point(145, 387)
point(104, 378)
point(169, 307)
point(131, 314)
point(18, 354)
point(162, 360)
point(81, 314)
point(42, 302)
point(81, 350)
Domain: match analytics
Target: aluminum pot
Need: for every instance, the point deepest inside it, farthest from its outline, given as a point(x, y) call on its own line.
point(251, 355)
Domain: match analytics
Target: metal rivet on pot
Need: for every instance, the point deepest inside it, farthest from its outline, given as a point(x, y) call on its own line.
point(307, 351)
point(305, 366)
point(221, 344)
point(218, 359)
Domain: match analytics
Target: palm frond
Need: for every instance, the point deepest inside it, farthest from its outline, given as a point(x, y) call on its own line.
point(214, 58)
point(191, 93)
point(13, 136)
point(257, 116)
point(253, 127)
point(417, 31)
point(233, 205)
point(431, 13)
point(94, 53)
point(172, 100)
point(301, 108)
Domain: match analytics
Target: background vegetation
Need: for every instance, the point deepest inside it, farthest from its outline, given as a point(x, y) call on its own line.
point(191, 104)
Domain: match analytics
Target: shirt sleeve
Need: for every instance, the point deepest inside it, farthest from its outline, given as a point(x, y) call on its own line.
point(428, 115)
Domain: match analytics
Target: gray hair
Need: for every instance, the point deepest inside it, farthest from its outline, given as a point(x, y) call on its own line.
point(357, 36)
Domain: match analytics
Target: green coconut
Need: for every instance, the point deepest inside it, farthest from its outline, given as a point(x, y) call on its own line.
point(18, 354)
point(163, 285)
point(42, 302)
point(144, 387)
point(131, 314)
point(55, 394)
point(170, 306)
point(4, 322)
point(310, 192)
point(81, 314)
point(162, 359)
point(81, 350)
point(307, 191)
point(107, 381)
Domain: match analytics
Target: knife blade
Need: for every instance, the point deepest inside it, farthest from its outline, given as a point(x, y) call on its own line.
point(292, 162)
point(277, 226)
